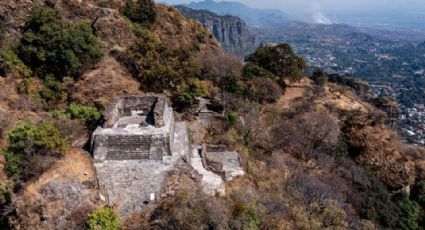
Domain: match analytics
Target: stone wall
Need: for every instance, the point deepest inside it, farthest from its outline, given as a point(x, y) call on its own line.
point(154, 106)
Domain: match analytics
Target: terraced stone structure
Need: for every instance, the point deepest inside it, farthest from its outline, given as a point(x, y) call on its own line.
point(135, 128)
point(135, 149)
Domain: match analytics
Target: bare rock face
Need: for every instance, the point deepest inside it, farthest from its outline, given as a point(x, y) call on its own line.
point(231, 31)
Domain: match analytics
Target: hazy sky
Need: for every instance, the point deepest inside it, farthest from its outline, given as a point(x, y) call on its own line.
point(326, 5)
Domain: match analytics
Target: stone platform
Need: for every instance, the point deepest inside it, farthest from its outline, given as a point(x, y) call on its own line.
point(134, 184)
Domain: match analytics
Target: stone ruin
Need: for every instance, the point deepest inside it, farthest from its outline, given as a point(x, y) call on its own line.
point(135, 128)
point(139, 145)
point(135, 149)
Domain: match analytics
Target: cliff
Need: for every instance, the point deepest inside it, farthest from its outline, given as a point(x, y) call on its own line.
point(231, 31)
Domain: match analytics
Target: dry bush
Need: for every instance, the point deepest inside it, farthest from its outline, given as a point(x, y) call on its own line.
point(217, 67)
point(195, 211)
point(5, 120)
point(307, 134)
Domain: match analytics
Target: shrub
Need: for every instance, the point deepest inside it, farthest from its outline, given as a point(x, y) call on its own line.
point(141, 11)
point(103, 219)
point(5, 120)
point(231, 118)
point(29, 139)
point(51, 46)
point(418, 192)
point(186, 94)
point(319, 77)
point(409, 212)
point(263, 90)
point(32, 149)
point(10, 63)
point(52, 93)
point(14, 163)
point(89, 115)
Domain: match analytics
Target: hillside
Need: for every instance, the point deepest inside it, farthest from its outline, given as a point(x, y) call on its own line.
point(310, 152)
point(230, 31)
point(253, 17)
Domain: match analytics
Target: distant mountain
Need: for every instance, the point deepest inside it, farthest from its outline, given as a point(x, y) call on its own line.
point(231, 31)
point(253, 17)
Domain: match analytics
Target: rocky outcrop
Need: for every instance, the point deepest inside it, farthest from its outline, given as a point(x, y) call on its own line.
point(231, 31)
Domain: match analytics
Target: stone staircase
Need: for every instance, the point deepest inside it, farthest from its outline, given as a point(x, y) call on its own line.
point(128, 147)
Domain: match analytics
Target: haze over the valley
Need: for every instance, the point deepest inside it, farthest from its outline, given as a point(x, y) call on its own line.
point(387, 14)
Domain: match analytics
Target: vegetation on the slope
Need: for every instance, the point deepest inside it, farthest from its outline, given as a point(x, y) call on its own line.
point(279, 60)
point(103, 218)
point(319, 77)
point(263, 77)
point(186, 94)
point(90, 116)
point(28, 143)
point(52, 50)
point(52, 46)
point(140, 11)
point(159, 67)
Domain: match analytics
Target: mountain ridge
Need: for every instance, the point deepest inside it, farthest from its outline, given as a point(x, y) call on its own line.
point(253, 17)
point(231, 31)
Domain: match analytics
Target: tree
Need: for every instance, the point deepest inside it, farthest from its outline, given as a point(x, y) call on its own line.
point(279, 60)
point(141, 11)
point(51, 46)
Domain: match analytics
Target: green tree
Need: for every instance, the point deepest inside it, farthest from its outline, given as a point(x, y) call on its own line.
point(103, 219)
point(51, 46)
point(279, 60)
point(141, 11)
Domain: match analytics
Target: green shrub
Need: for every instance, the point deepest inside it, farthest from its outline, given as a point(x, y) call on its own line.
point(28, 139)
point(252, 220)
point(10, 62)
point(231, 118)
point(409, 212)
point(418, 192)
point(141, 11)
point(89, 115)
point(103, 219)
point(186, 94)
point(341, 147)
point(52, 93)
point(392, 212)
point(32, 148)
point(14, 163)
point(51, 46)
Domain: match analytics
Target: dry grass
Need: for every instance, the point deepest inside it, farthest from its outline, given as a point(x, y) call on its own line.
point(75, 164)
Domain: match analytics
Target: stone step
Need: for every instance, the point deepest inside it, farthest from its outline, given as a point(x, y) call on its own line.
point(126, 155)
